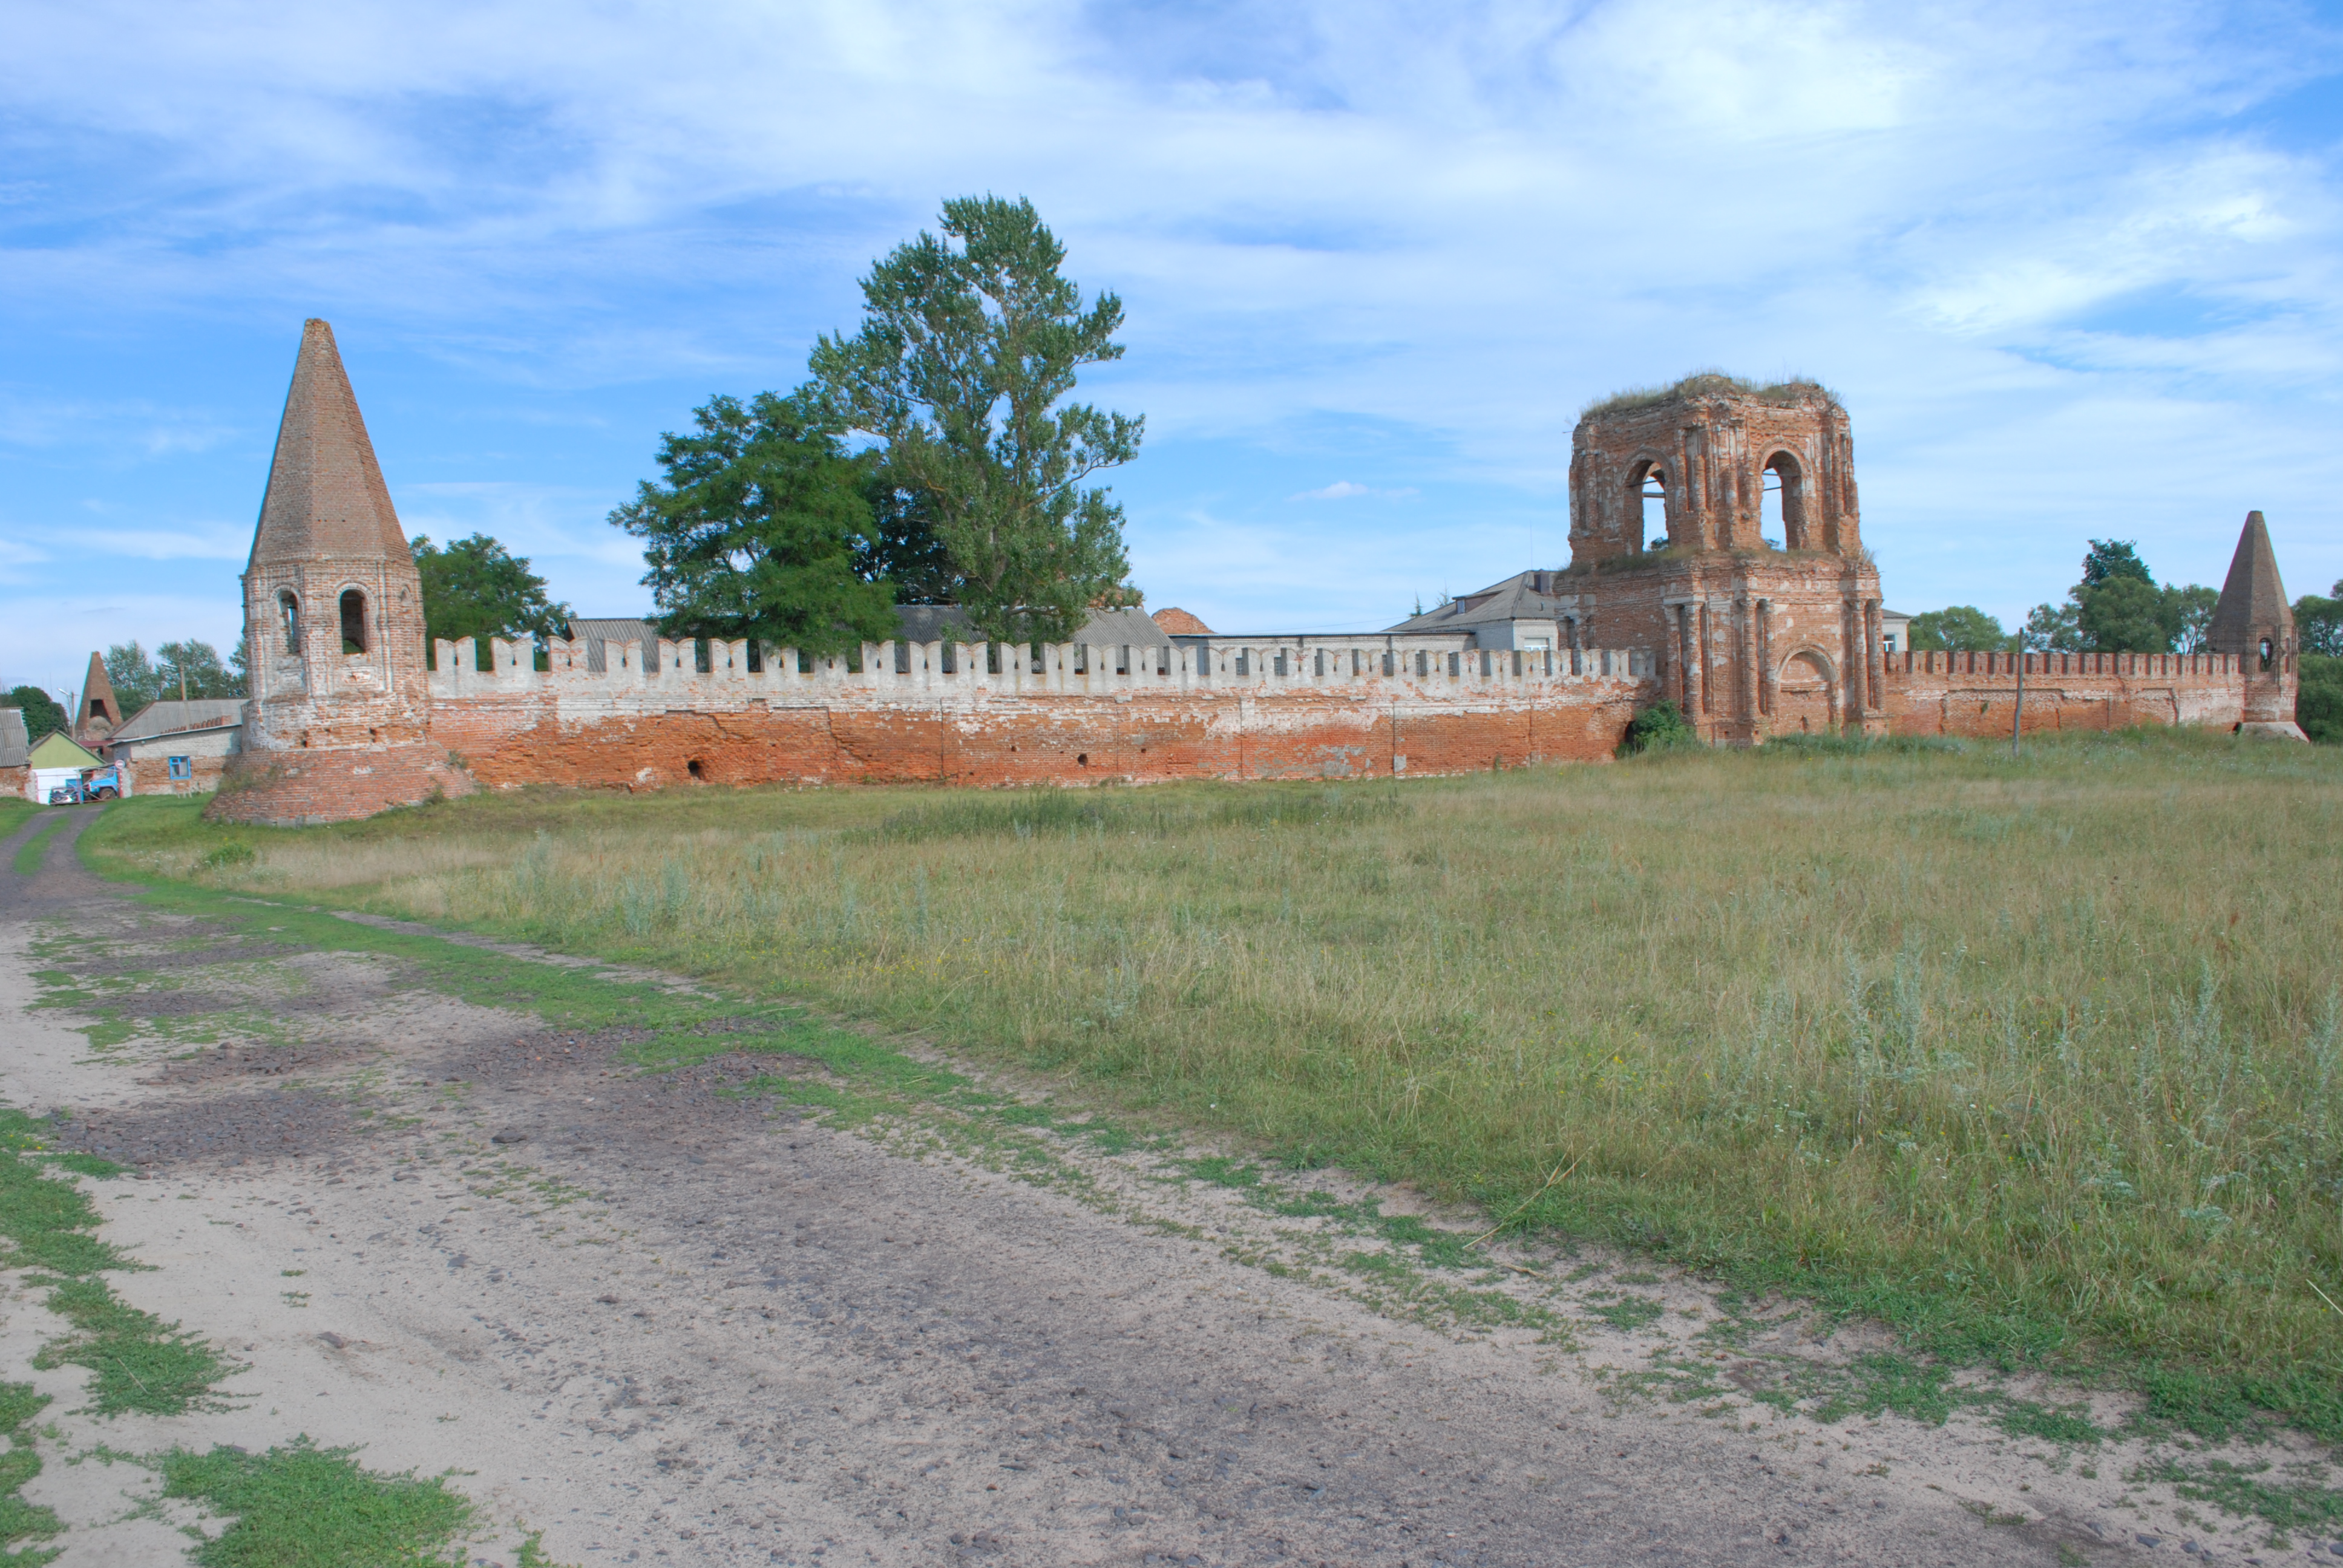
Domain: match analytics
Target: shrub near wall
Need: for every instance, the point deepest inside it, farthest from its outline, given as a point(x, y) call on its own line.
point(2318, 706)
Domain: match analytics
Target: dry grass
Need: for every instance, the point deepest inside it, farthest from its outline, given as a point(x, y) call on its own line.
point(2035, 1060)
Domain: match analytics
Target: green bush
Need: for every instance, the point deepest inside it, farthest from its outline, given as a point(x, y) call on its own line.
point(2319, 706)
point(1658, 727)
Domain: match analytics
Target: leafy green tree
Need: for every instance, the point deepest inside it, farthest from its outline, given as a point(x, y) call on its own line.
point(902, 547)
point(199, 663)
point(2117, 608)
point(476, 588)
point(963, 369)
point(758, 529)
point(2124, 615)
point(2053, 627)
point(44, 715)
point(2317, 702)
point(2189, 612)
point(2318, 623)
point(132, 675)
point(2108, 559)
point(1963, 629)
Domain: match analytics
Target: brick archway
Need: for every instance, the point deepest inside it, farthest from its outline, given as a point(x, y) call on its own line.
point(1806, 694)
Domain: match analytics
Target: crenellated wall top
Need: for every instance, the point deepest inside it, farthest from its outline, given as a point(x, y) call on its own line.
point(740, 673)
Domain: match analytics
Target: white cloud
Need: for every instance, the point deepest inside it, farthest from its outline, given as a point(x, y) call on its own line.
point(1445, 228)
point(1348, 490)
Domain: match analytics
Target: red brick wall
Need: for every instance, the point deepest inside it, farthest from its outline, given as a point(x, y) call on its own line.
point(152, 775)
point(295, 788)
point(1070, 740)
point(1975, 694)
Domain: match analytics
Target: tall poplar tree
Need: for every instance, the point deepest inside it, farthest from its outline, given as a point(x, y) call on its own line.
point(964, 369)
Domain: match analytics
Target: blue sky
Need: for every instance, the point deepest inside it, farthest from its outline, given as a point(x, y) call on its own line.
point(2074, 269)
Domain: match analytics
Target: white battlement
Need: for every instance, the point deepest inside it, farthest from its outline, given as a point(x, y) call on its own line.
point(739, 673)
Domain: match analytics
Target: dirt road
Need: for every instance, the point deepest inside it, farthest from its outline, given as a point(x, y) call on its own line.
point(659, 1321)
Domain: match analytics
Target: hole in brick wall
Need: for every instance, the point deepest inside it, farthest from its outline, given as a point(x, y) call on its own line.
point(354, 621)
point(1081, 759)
point(1781, 503)
point(698, 769)
point(756, 656)
point(1649, 490)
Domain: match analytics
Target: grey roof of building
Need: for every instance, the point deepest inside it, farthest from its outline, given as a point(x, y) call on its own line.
point(175, 718)
point(913, 623)
point(1527, 596)
point(15, 748)
point(1104, 629)
point(613, 628)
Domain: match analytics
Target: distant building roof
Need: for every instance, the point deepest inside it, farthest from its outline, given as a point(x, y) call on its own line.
point(13, 747)
point(595, 632)
point(1104, 629)
point(174, 716)
point(1528, 596)
point(1177, 623)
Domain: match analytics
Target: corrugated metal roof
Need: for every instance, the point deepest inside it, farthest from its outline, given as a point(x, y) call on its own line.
point(14, 746)
point(1104, 629)
point(173, 717)
point(1528, 596)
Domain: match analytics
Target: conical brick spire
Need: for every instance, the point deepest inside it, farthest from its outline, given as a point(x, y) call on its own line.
point(101, 710)
point(2253, 600)
point(326, 496)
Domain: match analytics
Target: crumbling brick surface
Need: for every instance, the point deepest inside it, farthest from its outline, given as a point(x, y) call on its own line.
point(293, 789)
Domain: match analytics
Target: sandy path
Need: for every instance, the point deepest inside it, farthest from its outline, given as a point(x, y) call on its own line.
point(671, 1325)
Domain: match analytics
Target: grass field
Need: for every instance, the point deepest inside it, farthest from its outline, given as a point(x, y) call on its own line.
point(2035, 1061)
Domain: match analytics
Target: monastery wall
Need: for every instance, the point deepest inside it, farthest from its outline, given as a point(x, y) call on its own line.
point(1975, 694)
point(966, 714)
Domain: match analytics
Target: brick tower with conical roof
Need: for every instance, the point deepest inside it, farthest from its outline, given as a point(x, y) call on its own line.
point(338, 724)
point(2253, 621)
point(100, 714)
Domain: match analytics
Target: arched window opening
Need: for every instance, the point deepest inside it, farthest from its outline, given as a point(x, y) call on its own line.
point(354, 621)
point(97, 704)
point(288, 609)
point(2265, 653)
point(1782, 504)
point(1649, 491)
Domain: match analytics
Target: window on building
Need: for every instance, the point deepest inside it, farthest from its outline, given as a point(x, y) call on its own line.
point(288, 609)
point(354, 621)
point(181, 768)
point(1781, 504)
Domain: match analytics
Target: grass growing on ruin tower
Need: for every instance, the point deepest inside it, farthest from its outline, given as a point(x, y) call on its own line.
point(2038, 1060)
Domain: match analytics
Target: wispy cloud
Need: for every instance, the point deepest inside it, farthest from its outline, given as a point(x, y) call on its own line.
point(1348, 490)
point(2058, 259)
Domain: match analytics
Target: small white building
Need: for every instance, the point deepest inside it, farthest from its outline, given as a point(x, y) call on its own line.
point(57, 759)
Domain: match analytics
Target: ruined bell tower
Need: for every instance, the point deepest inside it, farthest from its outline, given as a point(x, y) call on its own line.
point(1762, 627)
point(338, 724)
